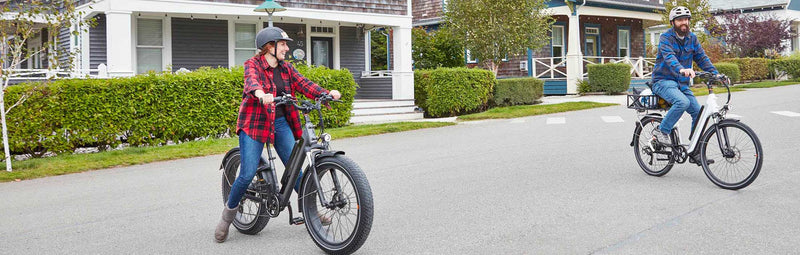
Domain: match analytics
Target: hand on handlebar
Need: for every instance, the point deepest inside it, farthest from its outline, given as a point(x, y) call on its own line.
point(688, 72)
point(265, 98)
point(335, 94)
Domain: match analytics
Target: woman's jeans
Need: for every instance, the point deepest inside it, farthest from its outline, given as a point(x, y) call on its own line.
point(681, 98)
point(251, 149)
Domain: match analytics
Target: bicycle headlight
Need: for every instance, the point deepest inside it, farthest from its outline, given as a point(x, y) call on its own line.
point(326, 137)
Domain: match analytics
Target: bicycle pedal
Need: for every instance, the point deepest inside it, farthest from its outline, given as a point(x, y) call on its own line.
point(298, 221)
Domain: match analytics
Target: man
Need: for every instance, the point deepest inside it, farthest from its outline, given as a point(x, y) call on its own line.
point(677, 48)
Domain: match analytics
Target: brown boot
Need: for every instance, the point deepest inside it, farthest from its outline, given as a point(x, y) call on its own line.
point(221, 233)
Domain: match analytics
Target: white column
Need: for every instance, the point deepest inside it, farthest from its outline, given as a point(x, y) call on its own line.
point(402, 74)
point(574, 55)
point(120, 43)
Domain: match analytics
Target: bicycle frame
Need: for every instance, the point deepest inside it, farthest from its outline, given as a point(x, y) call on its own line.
point(306, 149)
point(708, 112)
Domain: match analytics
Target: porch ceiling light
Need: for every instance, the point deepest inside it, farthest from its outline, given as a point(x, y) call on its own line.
point(269, 7)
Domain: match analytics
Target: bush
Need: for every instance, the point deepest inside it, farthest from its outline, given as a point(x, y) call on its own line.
point(453, 91)
point(518, 91)
point(729, 69)
point(583, 87)
point(609, 78)
point(789, 66)
point(752, 68)
point(147, 109)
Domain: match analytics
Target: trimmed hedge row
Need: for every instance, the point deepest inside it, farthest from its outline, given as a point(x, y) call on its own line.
point(752, 68)
point(729, 69)
point(142, 110)
point(609, 78)
point(790, 66)
point(518, 91)
point(445, 92)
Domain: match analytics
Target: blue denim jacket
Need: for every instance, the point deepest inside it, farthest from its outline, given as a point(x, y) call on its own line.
point(675, 54)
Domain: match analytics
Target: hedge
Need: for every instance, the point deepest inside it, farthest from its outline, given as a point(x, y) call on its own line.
point(729, 69)
point(518, 91)
point(609, 78)
point(790, 66)
point(752, 68)
point(148, 109)
point(444, 92)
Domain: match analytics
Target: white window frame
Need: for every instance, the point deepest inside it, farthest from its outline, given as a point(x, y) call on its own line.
point(468, 57)
point(627, 48)
point(334, 35)
point(562, 45)
point(166, 36)
point(232, 39)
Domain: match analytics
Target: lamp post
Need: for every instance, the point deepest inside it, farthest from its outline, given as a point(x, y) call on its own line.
point(269, 7)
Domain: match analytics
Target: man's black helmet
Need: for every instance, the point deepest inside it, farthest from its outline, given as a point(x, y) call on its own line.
point(270, 34)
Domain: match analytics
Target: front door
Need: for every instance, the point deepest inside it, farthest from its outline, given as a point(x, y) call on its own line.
point(322, 51)
point(591, 48)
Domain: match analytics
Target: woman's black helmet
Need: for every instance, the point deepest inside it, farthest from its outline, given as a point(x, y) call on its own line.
point(270, 34)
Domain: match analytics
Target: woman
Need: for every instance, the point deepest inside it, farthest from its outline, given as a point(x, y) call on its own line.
point(266, 75)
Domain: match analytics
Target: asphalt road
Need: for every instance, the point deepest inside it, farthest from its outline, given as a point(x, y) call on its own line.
point(564, 183)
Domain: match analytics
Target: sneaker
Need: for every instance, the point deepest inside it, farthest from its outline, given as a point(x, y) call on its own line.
point(661, 137)
point(696, 160)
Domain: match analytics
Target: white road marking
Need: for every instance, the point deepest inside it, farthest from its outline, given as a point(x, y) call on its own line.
point(556, 120)
point(787, 113)
point(612, 119)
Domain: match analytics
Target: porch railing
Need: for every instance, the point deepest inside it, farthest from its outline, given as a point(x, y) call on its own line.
point(551, 67)
point(372, 74)
point(101, 72)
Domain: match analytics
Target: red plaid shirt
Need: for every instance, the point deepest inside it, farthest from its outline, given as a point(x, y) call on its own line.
point(255, 118)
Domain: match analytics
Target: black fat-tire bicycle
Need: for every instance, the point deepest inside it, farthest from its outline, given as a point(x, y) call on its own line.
point(728, 150)
point(335, 198)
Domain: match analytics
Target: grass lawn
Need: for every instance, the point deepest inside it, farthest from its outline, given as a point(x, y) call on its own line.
point(74, 163)
point(530, 110)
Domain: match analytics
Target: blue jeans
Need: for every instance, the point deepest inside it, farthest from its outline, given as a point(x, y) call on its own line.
point(681, 98)
point(251, 156)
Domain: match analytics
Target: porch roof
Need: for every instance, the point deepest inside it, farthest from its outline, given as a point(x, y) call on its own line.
point(745, 4)
point(607, 12)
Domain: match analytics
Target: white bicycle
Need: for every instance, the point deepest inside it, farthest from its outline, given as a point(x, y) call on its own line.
point(727, 149)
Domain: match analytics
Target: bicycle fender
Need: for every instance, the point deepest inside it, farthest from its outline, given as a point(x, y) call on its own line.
point(227, 157)
point(639, 125)
point(326, 154)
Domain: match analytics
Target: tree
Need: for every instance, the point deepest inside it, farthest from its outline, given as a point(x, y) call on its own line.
point(21, 21)
point(494, 29)
point(754, 35)
point(439, 48)
point(378, 50)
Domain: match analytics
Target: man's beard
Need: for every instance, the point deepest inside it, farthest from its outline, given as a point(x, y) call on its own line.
point(683, 30)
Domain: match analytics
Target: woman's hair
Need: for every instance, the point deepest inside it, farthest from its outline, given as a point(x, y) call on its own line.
point(263, 50)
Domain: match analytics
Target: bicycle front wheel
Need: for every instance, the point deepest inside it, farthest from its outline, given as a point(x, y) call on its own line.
point(731, 155)
point(654, 160)
point(343, 224)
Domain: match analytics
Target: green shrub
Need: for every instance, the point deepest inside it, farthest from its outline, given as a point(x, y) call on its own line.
point(517, 91)
point(452, 91)
point(583, 86)
point(422, 80)
point(790, 66)
point(148, 109)
point(729, 69)
point(609, 78)
point(751, 68)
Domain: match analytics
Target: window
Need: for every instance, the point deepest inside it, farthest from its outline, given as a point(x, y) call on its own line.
point(327, 30)
point(245, 46)
point(624, 42)
point(592, 30)
point(468, 56)
point(558, 42)
point(149, 45)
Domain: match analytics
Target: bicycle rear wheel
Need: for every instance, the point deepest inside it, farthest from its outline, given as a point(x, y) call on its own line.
point(342, 226)
point(252, 215)
point(654, 160)
point(736, 154)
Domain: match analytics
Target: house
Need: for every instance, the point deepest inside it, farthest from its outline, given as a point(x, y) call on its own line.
point(137, 36)
point(590, 31)
point(780, 9)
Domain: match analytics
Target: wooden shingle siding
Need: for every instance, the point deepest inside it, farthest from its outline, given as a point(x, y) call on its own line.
point(394, 7)
point(352, 51)
point(425, 11)
point(199, 42)
point(97, 42)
